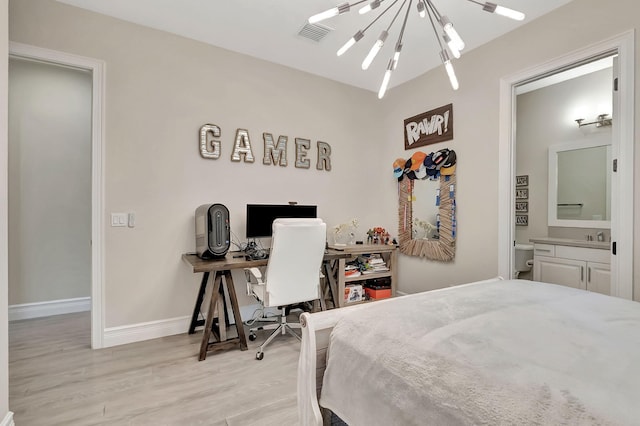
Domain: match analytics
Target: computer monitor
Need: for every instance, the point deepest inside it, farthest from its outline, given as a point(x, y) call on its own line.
point(260, 217)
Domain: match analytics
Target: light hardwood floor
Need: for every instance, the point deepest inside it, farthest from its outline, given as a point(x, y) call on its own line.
point(56, 379)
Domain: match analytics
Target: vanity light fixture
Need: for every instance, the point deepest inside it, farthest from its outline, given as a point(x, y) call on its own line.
point(444, 32)
point(601, 121)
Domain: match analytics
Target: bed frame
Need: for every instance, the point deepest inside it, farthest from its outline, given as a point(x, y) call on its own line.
point(316, 329)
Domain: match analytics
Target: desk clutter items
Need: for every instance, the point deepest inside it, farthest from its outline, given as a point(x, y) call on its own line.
point(366, 264)
point(426, 166)
point(213, 233)
point(378, 235)
point(373, 289)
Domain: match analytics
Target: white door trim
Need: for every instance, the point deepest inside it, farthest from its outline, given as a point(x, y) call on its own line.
point(622, 220)
point(97, 68)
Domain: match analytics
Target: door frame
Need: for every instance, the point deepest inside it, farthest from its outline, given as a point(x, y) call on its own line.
point(97, 69)
point(622, 219)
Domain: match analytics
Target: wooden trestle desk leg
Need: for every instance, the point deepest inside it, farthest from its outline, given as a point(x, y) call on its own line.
point(215, 294)
point(231, 289)
point(195, 322)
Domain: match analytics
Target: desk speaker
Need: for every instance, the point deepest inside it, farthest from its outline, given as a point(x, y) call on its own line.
point(213, 234)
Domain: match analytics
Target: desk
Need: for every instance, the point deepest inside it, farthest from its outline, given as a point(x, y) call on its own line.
point(222, 267)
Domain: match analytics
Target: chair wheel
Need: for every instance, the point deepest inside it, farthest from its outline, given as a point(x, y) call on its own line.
point(259, 356)
point(252, 337)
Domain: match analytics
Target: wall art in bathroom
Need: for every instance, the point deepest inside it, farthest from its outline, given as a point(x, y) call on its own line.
point(522, 220)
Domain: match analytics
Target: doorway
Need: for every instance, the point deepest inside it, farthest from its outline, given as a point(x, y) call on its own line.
point(622, 153)
point(78, 175)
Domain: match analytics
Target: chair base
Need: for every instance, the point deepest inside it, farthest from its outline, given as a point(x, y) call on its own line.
point(281, 327)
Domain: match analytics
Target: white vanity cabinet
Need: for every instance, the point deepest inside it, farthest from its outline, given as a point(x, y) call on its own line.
point(579, 267)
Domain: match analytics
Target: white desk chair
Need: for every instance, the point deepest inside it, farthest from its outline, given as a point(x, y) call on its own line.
point(292, 275)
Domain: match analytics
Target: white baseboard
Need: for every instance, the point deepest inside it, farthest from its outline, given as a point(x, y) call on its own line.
point(8, 420)
point(45, 309)
point(122, 335)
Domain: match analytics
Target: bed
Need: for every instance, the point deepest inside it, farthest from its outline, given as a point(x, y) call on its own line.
point(490, 352)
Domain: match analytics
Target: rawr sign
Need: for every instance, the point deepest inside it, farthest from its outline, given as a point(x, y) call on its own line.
point(429, 127)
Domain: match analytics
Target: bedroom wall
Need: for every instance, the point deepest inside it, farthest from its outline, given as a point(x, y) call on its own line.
point(4, 240)
point(476, 110)
point(160, 89)
point(546, 117)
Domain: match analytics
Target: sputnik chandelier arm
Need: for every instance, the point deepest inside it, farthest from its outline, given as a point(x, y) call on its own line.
point(425, 7)
point(393, 62)
point(358, 36)
point(380, 42)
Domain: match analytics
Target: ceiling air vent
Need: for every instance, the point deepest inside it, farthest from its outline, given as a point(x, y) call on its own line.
point(315, 32)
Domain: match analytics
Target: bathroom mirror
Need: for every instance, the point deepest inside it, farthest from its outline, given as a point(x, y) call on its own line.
point(416, 205)
point(580, 185)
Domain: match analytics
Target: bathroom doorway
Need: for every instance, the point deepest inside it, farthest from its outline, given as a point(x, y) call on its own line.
point(621, 111)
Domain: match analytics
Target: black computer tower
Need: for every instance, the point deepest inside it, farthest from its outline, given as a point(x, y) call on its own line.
point(213, 234)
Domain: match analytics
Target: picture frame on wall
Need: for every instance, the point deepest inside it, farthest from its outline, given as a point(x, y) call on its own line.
point(522, 206)
point(522, 220)
point(522, 180)
point(522, 194)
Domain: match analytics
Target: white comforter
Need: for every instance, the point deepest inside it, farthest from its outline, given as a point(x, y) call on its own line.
point(492, 353)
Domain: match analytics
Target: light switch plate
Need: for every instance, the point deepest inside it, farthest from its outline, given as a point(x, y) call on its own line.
point(118, 219)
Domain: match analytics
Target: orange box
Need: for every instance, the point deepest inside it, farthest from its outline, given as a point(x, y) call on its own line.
point(382, 293)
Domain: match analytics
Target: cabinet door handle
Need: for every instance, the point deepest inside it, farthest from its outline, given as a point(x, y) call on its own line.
point(544, 250)
point(582, 273)
point(589, 274)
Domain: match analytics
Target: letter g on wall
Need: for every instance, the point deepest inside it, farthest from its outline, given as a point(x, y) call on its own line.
point(205, 152)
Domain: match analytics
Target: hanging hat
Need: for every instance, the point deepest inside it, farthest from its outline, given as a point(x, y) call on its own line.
point(440, 157)
point(449, 165)
point(416, 160)
point(421, 173)
point(448, 171)
point(398, 167)
point(451, 159)
point(428, 162)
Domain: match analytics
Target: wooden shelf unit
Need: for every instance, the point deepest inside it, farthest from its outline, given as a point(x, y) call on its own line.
point(388, 252)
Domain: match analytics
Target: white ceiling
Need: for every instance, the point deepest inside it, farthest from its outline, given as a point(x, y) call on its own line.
point(268, 29)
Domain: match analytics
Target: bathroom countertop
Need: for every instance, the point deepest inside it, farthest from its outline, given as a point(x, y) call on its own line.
point(603, 245)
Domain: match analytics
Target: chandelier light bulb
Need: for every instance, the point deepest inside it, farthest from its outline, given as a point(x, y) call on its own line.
point(385, 80)
point(449, 68)
point(452, 75)
point(368, 8)
point(422, 11)
point(374, 50)
point(334, 11)
point(447, 26)
point(396, 56)
point(510, 13)
point(452, 47)
point(504, 11)
point(353, 40)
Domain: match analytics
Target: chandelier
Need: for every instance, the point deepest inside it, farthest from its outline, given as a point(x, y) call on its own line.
point(447, 33)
